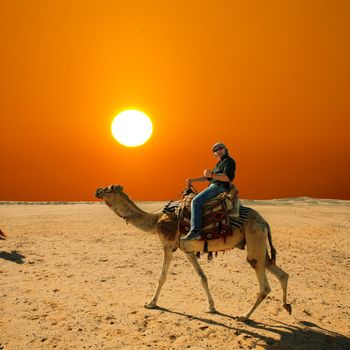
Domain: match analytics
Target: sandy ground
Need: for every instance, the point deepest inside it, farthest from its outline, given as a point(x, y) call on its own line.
point(75, 276)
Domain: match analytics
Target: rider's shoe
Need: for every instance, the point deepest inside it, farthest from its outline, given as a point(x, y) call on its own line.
point(192, 235)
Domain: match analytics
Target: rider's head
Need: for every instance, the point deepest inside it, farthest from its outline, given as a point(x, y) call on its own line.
point(219, 146)
point(219, 149)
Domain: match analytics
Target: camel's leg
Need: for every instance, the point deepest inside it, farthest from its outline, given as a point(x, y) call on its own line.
point(283, 279)
point(204, 280)
point(167, 255)
point(259, 267)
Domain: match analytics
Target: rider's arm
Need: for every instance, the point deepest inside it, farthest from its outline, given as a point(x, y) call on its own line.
point(215, 176)
point(198, 179)
point(227, 173)
point(220, 177)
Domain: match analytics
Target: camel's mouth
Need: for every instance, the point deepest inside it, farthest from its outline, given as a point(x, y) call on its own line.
point(102, 191)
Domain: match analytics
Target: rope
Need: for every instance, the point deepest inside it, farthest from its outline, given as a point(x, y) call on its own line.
point(156, 210)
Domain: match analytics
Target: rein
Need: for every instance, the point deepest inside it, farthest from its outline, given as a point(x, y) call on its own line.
point(187, 190)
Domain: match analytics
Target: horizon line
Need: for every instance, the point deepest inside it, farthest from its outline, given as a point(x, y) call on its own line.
point(301, 199)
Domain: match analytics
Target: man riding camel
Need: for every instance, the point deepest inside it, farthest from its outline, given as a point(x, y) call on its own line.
point(220, 178)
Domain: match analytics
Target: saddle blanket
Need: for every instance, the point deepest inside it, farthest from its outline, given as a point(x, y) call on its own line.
point(238, 222)
point(217, 221)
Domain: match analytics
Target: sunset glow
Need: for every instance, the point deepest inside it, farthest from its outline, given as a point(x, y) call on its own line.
point(270, 79)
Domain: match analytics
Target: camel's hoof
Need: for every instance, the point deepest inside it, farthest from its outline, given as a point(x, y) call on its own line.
point(242, 318)
point(288, 307)
point(150, 306)
point(212, 310)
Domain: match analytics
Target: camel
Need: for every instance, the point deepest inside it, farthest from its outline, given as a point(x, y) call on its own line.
point(256, 233)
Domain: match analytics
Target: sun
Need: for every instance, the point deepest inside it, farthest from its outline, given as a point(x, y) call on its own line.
point(132, 128)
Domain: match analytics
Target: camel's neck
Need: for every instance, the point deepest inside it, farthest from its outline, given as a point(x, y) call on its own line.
point(124, 207)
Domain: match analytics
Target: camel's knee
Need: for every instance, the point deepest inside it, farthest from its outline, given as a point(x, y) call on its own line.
point(253, 262)
point(284, 277)
point(278, 273)
point(265, 292)
point(161, 278)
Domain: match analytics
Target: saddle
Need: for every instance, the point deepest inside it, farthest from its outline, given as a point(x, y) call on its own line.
point(217, 214)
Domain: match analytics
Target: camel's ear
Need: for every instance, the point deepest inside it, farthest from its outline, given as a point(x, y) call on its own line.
point(117, 188)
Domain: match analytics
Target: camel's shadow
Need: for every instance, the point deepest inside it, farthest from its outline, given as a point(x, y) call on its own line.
point(303, 336)
point(12, 256)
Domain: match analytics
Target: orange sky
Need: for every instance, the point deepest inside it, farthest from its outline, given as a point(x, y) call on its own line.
point(271, 79)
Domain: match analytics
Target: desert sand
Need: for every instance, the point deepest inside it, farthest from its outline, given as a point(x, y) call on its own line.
point(75, 276)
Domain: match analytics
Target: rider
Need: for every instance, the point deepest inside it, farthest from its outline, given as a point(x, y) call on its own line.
point(219, 178)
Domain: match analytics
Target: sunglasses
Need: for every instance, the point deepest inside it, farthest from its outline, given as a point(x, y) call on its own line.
point(218, 149)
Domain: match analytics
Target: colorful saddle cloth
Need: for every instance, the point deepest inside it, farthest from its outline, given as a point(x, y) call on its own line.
point(221, 216)
point(237, 222)
point(215, 217)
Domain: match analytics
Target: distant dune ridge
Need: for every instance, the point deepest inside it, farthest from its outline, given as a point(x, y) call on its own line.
point(74, 275)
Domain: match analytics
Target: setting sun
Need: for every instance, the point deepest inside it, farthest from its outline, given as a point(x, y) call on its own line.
point(132, 128)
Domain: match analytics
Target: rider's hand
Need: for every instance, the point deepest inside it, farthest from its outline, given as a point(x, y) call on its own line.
point(189, 182)
point(208, 173)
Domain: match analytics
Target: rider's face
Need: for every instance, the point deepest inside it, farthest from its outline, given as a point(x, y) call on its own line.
point(219, 151)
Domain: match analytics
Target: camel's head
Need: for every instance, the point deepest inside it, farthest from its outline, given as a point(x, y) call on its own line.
point(108, 193)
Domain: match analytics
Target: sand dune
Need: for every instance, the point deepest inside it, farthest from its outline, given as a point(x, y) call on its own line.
point(75, 276)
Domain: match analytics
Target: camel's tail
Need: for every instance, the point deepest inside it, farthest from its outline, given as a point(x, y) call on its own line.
point(273, 250)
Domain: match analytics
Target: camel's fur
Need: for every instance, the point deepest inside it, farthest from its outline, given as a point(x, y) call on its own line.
point(255, 231)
